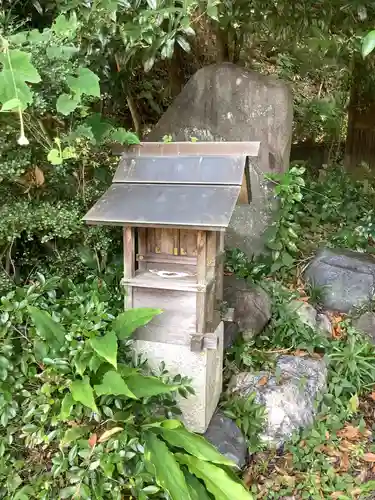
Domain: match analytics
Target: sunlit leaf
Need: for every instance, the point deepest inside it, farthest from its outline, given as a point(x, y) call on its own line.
point(114, 384)
point(86, 82)
point(144, 387)
point(368, 43)
point(82, 392)
point(106, 347)
point(128, 321)
point(167, 471)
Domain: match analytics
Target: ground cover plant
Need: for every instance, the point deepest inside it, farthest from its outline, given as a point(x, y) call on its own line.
point(81, 416)
point(335, 458)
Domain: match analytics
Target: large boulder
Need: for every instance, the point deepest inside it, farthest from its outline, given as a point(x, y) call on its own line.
point(252, 305)
point(225, 102)
point(289, 397)
point(224, 434)
point(346, 278)
point(366, 324)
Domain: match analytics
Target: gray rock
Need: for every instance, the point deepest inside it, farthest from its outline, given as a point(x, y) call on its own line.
point(252, 305)
point(347, 278)
point(306, 312)
point(224, 434)
point(366, 324)
point(309, 316)
point(289, 398)
point(225, 102)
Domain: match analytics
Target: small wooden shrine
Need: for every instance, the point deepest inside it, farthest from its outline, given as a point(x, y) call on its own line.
point(175, 201)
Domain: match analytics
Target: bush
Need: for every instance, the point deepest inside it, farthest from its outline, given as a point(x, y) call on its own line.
point(81, 416)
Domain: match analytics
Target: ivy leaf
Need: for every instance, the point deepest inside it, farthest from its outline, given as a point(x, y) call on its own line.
point(64, 52)
point(66, 406)
point(7, 91)
point(128, 321)
point(113, 384)
point(167, 471)
point(11, 105)
point(50, 330)
point(194, 444)
point(73, 434)
point(106, 347)
point(217, 480)
point(122, 136)
point(368, 43)
point(66, 104)
point(54, 157)
point(144, 387)
point(86, 82)
point(82, 392)
point(20, 63)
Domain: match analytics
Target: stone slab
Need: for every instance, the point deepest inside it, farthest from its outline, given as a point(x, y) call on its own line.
point(204, 368)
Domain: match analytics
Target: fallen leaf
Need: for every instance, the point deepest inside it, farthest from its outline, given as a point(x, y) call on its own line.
point(92, 440)
point(263, 380)
point(344, 462)
point(369, 457)
point(39, 176)
point(372, 396)
point(300, 353)
point(107, 434)
point(337, 494)
point(350, 432)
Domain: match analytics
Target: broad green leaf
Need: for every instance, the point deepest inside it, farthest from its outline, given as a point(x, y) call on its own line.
point(82, 392)
point(196, 488)
point(122, 136)
point(8, 92)
point(85, 83)
point(194, 444)
point(113, 384)
point(73, 434)
point(20, 63)
point(54, 157)
point(128, 321)
point(63, 52)
point(287, 259)
point(66, 104)
point(65, 26)
point(12, 104)
point(49, 330)
point(368, 43)
point(167, 471)
point(144, 387)
point(217, 481)
point(68, 492)
point(66, 406)
point(106, 347)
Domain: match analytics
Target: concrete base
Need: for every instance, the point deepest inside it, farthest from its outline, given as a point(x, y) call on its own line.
point(204, 368)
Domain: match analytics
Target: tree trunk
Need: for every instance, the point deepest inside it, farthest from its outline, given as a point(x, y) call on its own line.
point(360, 139)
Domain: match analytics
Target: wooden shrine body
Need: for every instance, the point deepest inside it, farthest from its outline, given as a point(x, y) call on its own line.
point(175, 201)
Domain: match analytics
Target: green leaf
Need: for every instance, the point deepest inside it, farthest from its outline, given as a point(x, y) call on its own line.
point(184, 44)
point(82, 392)
point(217, 481)
point(24, 493)
point(65, 26)
point(144, 387)
point(73, 434)
point(113, 384)
point(128, 321)
point(66, 406)
point(11, 105)
point(66, 104)
point(64, 52)
point(122, 136)
point(68, 492)
point(106, 347)
point(287, 259)
point(85, 83)
point(196, 488)
point(49, 330)
point(167, 471)
point(20, 63)
point(8, 92)
point(368, 43)
point(194, 444)
point(54, 157)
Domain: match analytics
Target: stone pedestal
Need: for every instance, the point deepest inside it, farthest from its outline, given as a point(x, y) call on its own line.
point(204, 368)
